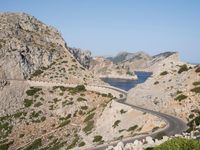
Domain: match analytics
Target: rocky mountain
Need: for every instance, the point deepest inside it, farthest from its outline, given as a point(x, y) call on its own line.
point(173, 88)
point(34, 50)
point(126, 56)
point(139, 61)
point(83, 57)
point(37, 112)
point(104, 68)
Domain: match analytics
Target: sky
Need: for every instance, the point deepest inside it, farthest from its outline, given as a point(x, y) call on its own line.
point(106, 27)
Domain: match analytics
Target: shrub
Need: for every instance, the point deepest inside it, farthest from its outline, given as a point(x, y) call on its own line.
point(81, 144)
point(5, 146)
point(116, 123)
point(89, 126)
point(81, 99)
point(163, 73)
point(196, 90)
point(97, 138)
point(156, 82)
point(183, 68)
point(73, 144)
point(132, 128)
point(28, 102)
point(32, 91)
point(77, 89)
point(35, 145)
point(197, 70)
point(89, 117)
point(84, 107)
point(196, 120)
point(122, 111)
point(179, 144)
point(37, 73)
point(64, 123)
point(160, 135)
point(38, 104)
point(196, 83)
point(180, 97)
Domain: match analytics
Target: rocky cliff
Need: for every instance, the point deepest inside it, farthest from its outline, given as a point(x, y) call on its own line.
point(83, 57)
point(34, 50)
point(39, 113)
point(139, 61)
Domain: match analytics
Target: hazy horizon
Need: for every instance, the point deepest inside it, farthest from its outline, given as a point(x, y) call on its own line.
point(108, 27)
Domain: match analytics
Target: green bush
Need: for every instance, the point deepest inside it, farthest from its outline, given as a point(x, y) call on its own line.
point(32, 91)
point(180, 97)
point(116, 123)
point(81, 99)
point(64, 123)
point(179, 144)
point(89, 126)
point(196, 120)
point(163, 73)
point(97, 138)
point(89, 117)
point(81, 144)
point(132, 128)
point(35, 145)
point(196, 83)
point(196, 90)
point(37, 73)
point(5, 146)
point(28, 102)
point(77, 89)
point(183, 68)
point(84, 107)
point(122, 111)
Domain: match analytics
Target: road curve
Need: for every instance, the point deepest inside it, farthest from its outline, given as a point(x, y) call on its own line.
point(174, 124)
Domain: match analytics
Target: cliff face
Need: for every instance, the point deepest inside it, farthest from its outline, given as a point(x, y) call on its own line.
point(26, 45)
point(83, 57)
point(34, 50)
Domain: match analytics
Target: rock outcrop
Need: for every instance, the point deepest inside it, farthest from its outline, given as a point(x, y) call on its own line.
point(105, 68)
point(83, 57)
point(34, 50)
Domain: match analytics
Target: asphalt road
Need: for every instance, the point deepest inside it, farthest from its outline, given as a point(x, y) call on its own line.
point(174, 126)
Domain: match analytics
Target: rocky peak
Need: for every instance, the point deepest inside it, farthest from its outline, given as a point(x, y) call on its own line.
point(83, 57)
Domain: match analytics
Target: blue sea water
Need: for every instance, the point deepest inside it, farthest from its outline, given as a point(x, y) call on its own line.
point(128, 84)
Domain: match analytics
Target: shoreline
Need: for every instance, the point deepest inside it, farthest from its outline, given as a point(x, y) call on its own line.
point(119, 77)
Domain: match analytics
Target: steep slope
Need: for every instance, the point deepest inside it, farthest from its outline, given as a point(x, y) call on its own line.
point(139, 61)
point(34, 50)
point(173, 89)
point(36, 114)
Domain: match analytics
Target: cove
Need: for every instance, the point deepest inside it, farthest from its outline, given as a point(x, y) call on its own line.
point(128, 84)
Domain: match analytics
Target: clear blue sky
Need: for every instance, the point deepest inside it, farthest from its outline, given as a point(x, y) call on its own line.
point(108, 26)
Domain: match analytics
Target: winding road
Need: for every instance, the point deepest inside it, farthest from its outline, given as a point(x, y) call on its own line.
point(174, 124)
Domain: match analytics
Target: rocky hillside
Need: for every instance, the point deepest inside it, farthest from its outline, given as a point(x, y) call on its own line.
point(139, 61)
point(33, 50)
point(174, 88)
point(44, 115)
point(103, 68)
